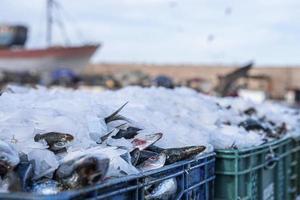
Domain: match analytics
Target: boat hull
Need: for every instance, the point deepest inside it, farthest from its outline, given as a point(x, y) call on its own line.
point(49, 59)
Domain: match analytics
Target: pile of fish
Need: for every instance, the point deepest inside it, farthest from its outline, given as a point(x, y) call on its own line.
point(189, 117)
point(51, 162)
point(53, 140)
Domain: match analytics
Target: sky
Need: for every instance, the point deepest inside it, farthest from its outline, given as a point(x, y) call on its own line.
point(170, 31)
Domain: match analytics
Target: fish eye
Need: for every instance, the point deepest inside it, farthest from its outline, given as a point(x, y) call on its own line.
point(3, 157)
point(60, 144)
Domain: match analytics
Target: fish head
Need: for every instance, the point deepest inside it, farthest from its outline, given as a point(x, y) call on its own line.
point(65, 170)
point(55, 140)
point(92, 169)
point(9, 158)
point(154, 162)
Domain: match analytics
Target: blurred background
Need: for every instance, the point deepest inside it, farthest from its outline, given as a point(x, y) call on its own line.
point(218, 47)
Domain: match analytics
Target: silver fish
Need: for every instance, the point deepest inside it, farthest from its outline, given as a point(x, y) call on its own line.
point(9, 158)
point(46, 187)
point(178, 154)
point(165, 190)
point(153, 162)
point(142, 142)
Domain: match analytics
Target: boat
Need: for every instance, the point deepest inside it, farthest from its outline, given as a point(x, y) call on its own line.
point(16, 58)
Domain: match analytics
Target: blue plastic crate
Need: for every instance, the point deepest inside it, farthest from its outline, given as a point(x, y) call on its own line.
point(195, 181)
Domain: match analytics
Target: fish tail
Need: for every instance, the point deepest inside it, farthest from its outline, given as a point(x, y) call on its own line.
point(115, 115)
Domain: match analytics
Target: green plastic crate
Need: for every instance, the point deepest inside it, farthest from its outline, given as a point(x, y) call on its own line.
point(262, 172)
point(296, 164)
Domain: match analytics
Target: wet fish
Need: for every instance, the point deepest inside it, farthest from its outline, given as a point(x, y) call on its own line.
point(250, 111)
point(184, 153)
point(82, 171)
point(145, 155)
point(164, 190)
point(153, 162)
point(115, 115)
point(178, 154)
point(142, 142)
point(251, 124)
point(128, 133)
point(25, 171)
point(9, 158)
point(46, 187)
point(56, 141)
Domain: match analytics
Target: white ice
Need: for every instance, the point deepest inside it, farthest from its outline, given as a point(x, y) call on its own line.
point(184, 116)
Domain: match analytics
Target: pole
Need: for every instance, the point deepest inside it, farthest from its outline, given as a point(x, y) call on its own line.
point(49, 22)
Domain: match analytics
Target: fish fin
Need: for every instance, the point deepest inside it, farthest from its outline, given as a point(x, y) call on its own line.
point(114, 116)
point(104, 137)
point(118, 127)
point(37, 137)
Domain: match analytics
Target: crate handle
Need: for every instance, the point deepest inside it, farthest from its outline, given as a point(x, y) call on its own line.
point(271, 161)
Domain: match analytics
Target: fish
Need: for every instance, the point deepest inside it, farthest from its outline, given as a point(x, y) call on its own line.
point(178, 154)
point(9, 158)
point(142, 142)
point(144, 155)
point(82, 171)
point(251, 124)
point(115, 115)
point(135, 156)
point(46, 187)
point(154, 162)
point(25, 171)
point(250, 111)
point(128, 133)
point(164, 190)
point(57, 142)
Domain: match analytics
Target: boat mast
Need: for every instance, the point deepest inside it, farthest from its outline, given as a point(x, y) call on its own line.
point(49, 22)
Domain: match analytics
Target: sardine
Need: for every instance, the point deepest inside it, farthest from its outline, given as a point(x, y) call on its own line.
point(153, 162)
point(251, 124)
point(184, 153)
point(178, 154)
point(142, 142)
point(56, 141)
point(250, 111)
point(46, 187)
point(165, 190)
point(128, 133)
